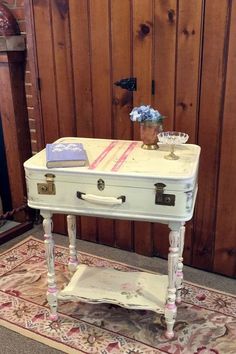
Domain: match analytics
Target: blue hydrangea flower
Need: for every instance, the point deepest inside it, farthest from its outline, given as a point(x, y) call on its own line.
point(145, 113)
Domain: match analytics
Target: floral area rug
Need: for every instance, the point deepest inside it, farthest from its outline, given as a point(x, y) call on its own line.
point(206, 320)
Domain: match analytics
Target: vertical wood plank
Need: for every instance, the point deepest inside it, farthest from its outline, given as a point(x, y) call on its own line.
point(188, 65)
point(213, 71)
point(122, 100)
point(103, 51)
point(121, 45)
point(81, 55)
point(143, 70)
point(88, 228)
point(123, 234)
point(101, 67)
point(43, 34)
point(225, 245)
point(63, 78)
point(100, 33)
point(166, 15)
point(49, 93)
point(63, 67)
point(59, 224)
point(33, 65)
point(142, 54)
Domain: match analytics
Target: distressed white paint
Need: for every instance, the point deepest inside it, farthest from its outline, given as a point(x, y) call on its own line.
point(135, 179)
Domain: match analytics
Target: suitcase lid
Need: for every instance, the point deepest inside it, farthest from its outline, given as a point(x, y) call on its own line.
point(126, 157)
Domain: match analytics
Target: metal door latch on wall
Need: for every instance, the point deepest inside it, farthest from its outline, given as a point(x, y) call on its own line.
point(130, 84)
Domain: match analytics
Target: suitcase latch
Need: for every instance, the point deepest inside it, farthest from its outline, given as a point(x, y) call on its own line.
point(48, 187)
point(161, 198)
point(100, 184)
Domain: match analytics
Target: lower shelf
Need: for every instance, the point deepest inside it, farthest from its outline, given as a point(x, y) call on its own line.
point(133, 290)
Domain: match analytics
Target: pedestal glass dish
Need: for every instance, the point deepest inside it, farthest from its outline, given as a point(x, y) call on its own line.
point(172, 138)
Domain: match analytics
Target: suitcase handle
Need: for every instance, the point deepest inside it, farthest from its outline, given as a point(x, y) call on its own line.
point(92, 198)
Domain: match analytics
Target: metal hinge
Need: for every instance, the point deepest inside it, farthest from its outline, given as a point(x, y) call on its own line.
point(153, 87)
point(129, 83)
point(161, 198)
point(48, 187)
point(39, 83)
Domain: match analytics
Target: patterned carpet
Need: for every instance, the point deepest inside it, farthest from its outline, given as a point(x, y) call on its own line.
point(206, 320)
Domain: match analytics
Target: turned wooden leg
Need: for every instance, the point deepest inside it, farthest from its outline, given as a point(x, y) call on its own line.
point(179, 274)
point(49, 247)
point(173, 256)
point(71, 227)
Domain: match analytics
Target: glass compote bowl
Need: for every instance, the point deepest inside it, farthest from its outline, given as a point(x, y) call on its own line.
point(172, 139)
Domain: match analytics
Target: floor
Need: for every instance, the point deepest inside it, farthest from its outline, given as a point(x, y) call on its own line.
point(7, 225)
point(16, 344)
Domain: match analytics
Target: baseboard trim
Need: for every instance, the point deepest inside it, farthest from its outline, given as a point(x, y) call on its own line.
point(15, 231)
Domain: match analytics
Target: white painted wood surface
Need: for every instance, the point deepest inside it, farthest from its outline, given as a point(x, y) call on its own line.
point(130, 172)
point(136, 179)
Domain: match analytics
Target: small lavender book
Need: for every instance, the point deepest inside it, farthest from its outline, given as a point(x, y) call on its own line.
point(65, 155)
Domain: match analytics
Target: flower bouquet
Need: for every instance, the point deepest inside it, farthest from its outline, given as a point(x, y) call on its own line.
point(150, 125)
point(146, 114)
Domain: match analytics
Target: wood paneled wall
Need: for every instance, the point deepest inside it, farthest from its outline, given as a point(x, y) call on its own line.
point(187, 47)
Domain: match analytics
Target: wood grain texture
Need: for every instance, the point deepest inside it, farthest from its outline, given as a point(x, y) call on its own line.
point(185, 47)
point(14, 124)
point(59, 224)
point(166, 18)
point(122, 100)
point(187, 90)
point(43, 34)
point(101, 67)
point(63, 67)
point(209, 129)
point(225, 245)
point(187, 66)
point(88, 229)
point(81, 55)
point(100, 32)
point(142, 69)
point(121, 52)
point(123, 235)
point(142, 54)
point(33, 66)
point(186, 20)
point(48, 80)
point(61, 42)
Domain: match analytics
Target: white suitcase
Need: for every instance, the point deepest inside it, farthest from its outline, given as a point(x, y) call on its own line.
point(122, 181)
point(126, 182)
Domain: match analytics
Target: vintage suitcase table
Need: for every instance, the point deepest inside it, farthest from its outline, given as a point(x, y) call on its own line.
point(122, 181)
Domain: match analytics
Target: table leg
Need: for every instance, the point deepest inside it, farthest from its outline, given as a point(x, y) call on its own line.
point(71, 227)
point(179, 275)
point(173, 256)
point(49, 248)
